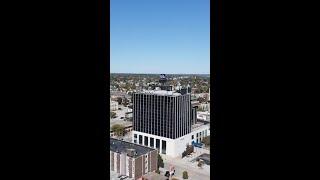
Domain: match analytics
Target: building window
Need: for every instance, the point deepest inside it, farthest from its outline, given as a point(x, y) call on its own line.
point(135, 138)
point(140, 139)
point(164, 147)
point(151, 142)
point(158, 144)
point(146, 140)
point(192, 137)
point(197, 134)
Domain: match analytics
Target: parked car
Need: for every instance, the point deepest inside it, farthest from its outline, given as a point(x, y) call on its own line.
point(172, 174)
point(167, 174)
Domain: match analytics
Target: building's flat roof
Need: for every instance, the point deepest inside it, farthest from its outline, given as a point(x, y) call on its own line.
point(199, 125)
point(161, 92)
point(122, 146)
point(121, 122)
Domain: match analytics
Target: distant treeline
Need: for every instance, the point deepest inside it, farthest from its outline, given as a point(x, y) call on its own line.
point(174, 75)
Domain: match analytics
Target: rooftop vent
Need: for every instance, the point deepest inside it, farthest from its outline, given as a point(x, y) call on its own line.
point(131, 152)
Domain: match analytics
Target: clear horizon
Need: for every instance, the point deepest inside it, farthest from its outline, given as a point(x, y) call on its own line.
point(162, 73)
point(160, 36)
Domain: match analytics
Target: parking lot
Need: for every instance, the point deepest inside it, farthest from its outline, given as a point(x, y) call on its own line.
point(120, 119)
point(115, 176)
point(187, 164)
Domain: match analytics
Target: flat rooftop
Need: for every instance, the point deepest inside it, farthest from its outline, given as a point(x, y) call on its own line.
point(121, 122)
point(160, 92)
point(199, 125)
point(122, 146)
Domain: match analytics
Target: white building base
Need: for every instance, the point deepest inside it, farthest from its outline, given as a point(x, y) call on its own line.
point(174, 147)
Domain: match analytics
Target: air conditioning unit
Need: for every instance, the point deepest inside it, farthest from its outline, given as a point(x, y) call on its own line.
point(131, 152)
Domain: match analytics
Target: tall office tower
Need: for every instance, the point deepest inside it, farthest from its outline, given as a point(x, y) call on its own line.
point(162, 113)
point(162, 119)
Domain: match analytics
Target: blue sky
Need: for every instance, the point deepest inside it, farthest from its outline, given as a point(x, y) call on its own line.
point(160, 36)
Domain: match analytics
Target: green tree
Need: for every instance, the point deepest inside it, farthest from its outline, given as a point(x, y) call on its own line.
point(201, 100)
point(185, 175)
point(160, 161)
point(200, 163)
point(206, 140)
point(158, 171)
point(118, 129)
point(125, 102)
point(119, 99)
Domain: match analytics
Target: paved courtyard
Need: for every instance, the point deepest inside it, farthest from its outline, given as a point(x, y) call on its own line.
point(185, 164)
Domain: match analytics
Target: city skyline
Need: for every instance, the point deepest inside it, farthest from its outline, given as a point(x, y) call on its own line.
point(160, 36)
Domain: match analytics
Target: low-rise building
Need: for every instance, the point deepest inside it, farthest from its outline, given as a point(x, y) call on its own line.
point(205, 116)
point(204, 106)
point(113, 105)
point(132, 160)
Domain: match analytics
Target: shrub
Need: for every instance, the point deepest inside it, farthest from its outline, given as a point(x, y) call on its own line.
point(160, 161)
point(200, 163)
point(113, 114)
point(118, 129)
point(206, 141)
point(185, 175)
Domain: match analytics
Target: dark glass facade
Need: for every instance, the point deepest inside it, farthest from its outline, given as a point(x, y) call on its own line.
point(162, 115)
point(158, 144)
point(146, 141)
point(164, 147)
point(140, 139)
point(151, 142)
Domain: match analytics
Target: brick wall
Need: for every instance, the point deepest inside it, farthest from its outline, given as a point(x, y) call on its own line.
point(112, 161)
point(118, 163)
point(130, 168)
point(138, 167)
point(153, 160)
